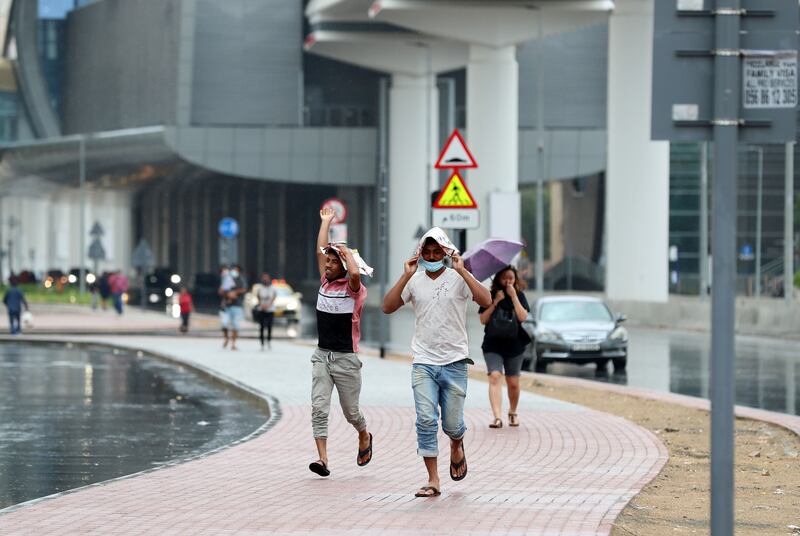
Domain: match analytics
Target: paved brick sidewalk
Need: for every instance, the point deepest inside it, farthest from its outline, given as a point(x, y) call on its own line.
point(566, 470)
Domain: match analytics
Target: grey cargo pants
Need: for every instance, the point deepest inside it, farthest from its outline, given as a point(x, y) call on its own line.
point(342, 370)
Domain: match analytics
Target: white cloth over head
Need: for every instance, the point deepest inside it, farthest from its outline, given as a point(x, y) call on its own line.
point(363, 267)
point(441, 238)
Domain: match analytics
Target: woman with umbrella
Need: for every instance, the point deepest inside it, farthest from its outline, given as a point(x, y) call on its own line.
point(504, 341)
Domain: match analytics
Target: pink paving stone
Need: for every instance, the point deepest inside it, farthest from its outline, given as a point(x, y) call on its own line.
point(561, 472)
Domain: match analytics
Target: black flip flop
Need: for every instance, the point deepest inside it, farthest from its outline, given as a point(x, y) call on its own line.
point(456, 466)
point(435, 493)
point(362, 453)
point(319, 467)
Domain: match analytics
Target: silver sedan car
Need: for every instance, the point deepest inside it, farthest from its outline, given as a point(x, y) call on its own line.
point(577, 329)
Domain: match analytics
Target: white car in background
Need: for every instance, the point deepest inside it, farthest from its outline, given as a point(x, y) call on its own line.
point(287, 302)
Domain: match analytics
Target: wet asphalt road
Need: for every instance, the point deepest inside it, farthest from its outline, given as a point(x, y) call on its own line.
point(75, 416)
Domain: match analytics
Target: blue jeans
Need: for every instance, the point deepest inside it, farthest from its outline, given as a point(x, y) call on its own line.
point(117, 299)
point(437, 386)
point(14, 323)
point(235, 317)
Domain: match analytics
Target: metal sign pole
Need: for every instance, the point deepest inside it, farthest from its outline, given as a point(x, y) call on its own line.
point(143, 297)
point(727, 88)
point(82, 226)
point(383, 205)
point(788, 225)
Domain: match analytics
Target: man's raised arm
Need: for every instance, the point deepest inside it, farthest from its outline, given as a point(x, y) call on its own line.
point(393, 299)
point(326, 216)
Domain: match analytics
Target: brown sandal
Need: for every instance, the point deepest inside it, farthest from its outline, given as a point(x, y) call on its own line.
point(428, 491)
point(497, 423)
point(513, 419)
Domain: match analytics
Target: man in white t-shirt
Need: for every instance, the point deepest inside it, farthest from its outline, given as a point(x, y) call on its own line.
point(439, 296)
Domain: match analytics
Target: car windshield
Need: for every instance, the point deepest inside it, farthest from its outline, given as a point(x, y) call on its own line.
point(283, 291)
point(575, 311)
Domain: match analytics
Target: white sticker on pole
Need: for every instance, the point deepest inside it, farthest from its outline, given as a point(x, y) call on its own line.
point(459, 218)
point(769, 79)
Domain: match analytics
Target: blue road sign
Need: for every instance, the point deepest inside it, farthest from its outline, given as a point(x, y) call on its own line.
point(228, 228)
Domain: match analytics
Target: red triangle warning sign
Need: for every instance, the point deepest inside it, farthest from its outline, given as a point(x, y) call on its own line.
point(455, 154)
point(455, 194)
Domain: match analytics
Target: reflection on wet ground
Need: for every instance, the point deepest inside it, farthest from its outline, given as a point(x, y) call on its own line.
point(767, 370)
point(75, 416)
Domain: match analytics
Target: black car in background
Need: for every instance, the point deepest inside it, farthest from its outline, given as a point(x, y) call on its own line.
point(577, 329)
point(161, 285)
point(204, 291)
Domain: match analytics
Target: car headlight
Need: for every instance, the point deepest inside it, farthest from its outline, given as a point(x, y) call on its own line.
point(291, 306)
point(619, 334)
point(547, 334)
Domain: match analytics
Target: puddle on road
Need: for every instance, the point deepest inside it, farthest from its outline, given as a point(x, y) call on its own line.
point(75, 416)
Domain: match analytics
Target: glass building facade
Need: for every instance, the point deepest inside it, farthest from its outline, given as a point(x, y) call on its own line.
point(761, 195)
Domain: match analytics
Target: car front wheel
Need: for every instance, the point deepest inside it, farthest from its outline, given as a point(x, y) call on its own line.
point(620, 364)
point(539, 364)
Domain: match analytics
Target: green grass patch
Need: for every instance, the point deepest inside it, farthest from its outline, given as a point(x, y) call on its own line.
point(35, 293)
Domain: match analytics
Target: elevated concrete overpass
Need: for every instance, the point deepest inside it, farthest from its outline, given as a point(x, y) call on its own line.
point(482, 36)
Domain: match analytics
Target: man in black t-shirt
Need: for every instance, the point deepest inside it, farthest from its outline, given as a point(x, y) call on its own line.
point(335, 361)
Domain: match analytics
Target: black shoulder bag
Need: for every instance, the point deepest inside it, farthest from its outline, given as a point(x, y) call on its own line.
point(502, 325)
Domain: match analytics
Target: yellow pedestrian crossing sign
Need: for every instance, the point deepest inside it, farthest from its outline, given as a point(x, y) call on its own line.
point(455, 194)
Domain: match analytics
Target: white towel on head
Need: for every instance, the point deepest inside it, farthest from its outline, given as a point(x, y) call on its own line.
point(363, 267)
point(441, 238)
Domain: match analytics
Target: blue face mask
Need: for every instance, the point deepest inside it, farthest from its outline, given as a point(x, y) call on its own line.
point(431, 266)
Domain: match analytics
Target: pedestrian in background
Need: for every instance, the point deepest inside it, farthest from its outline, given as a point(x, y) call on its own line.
point(335, 362)
point(14, 299)
point(186, 307)
point(439, 296)
point(233, 299)
point(118, 282)
point(225, 285)
point(504, 341)
point(105, 290)
point(266, 308)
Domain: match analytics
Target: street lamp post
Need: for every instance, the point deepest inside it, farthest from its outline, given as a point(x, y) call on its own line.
point(540, 158)
point(704, 219)
point(82, 226)
point(759, 203)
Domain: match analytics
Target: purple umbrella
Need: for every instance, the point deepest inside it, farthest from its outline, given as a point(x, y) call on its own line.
point(488, 257)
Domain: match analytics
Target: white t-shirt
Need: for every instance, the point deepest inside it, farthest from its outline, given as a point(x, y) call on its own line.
point(265, 295)
point(440, 311)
